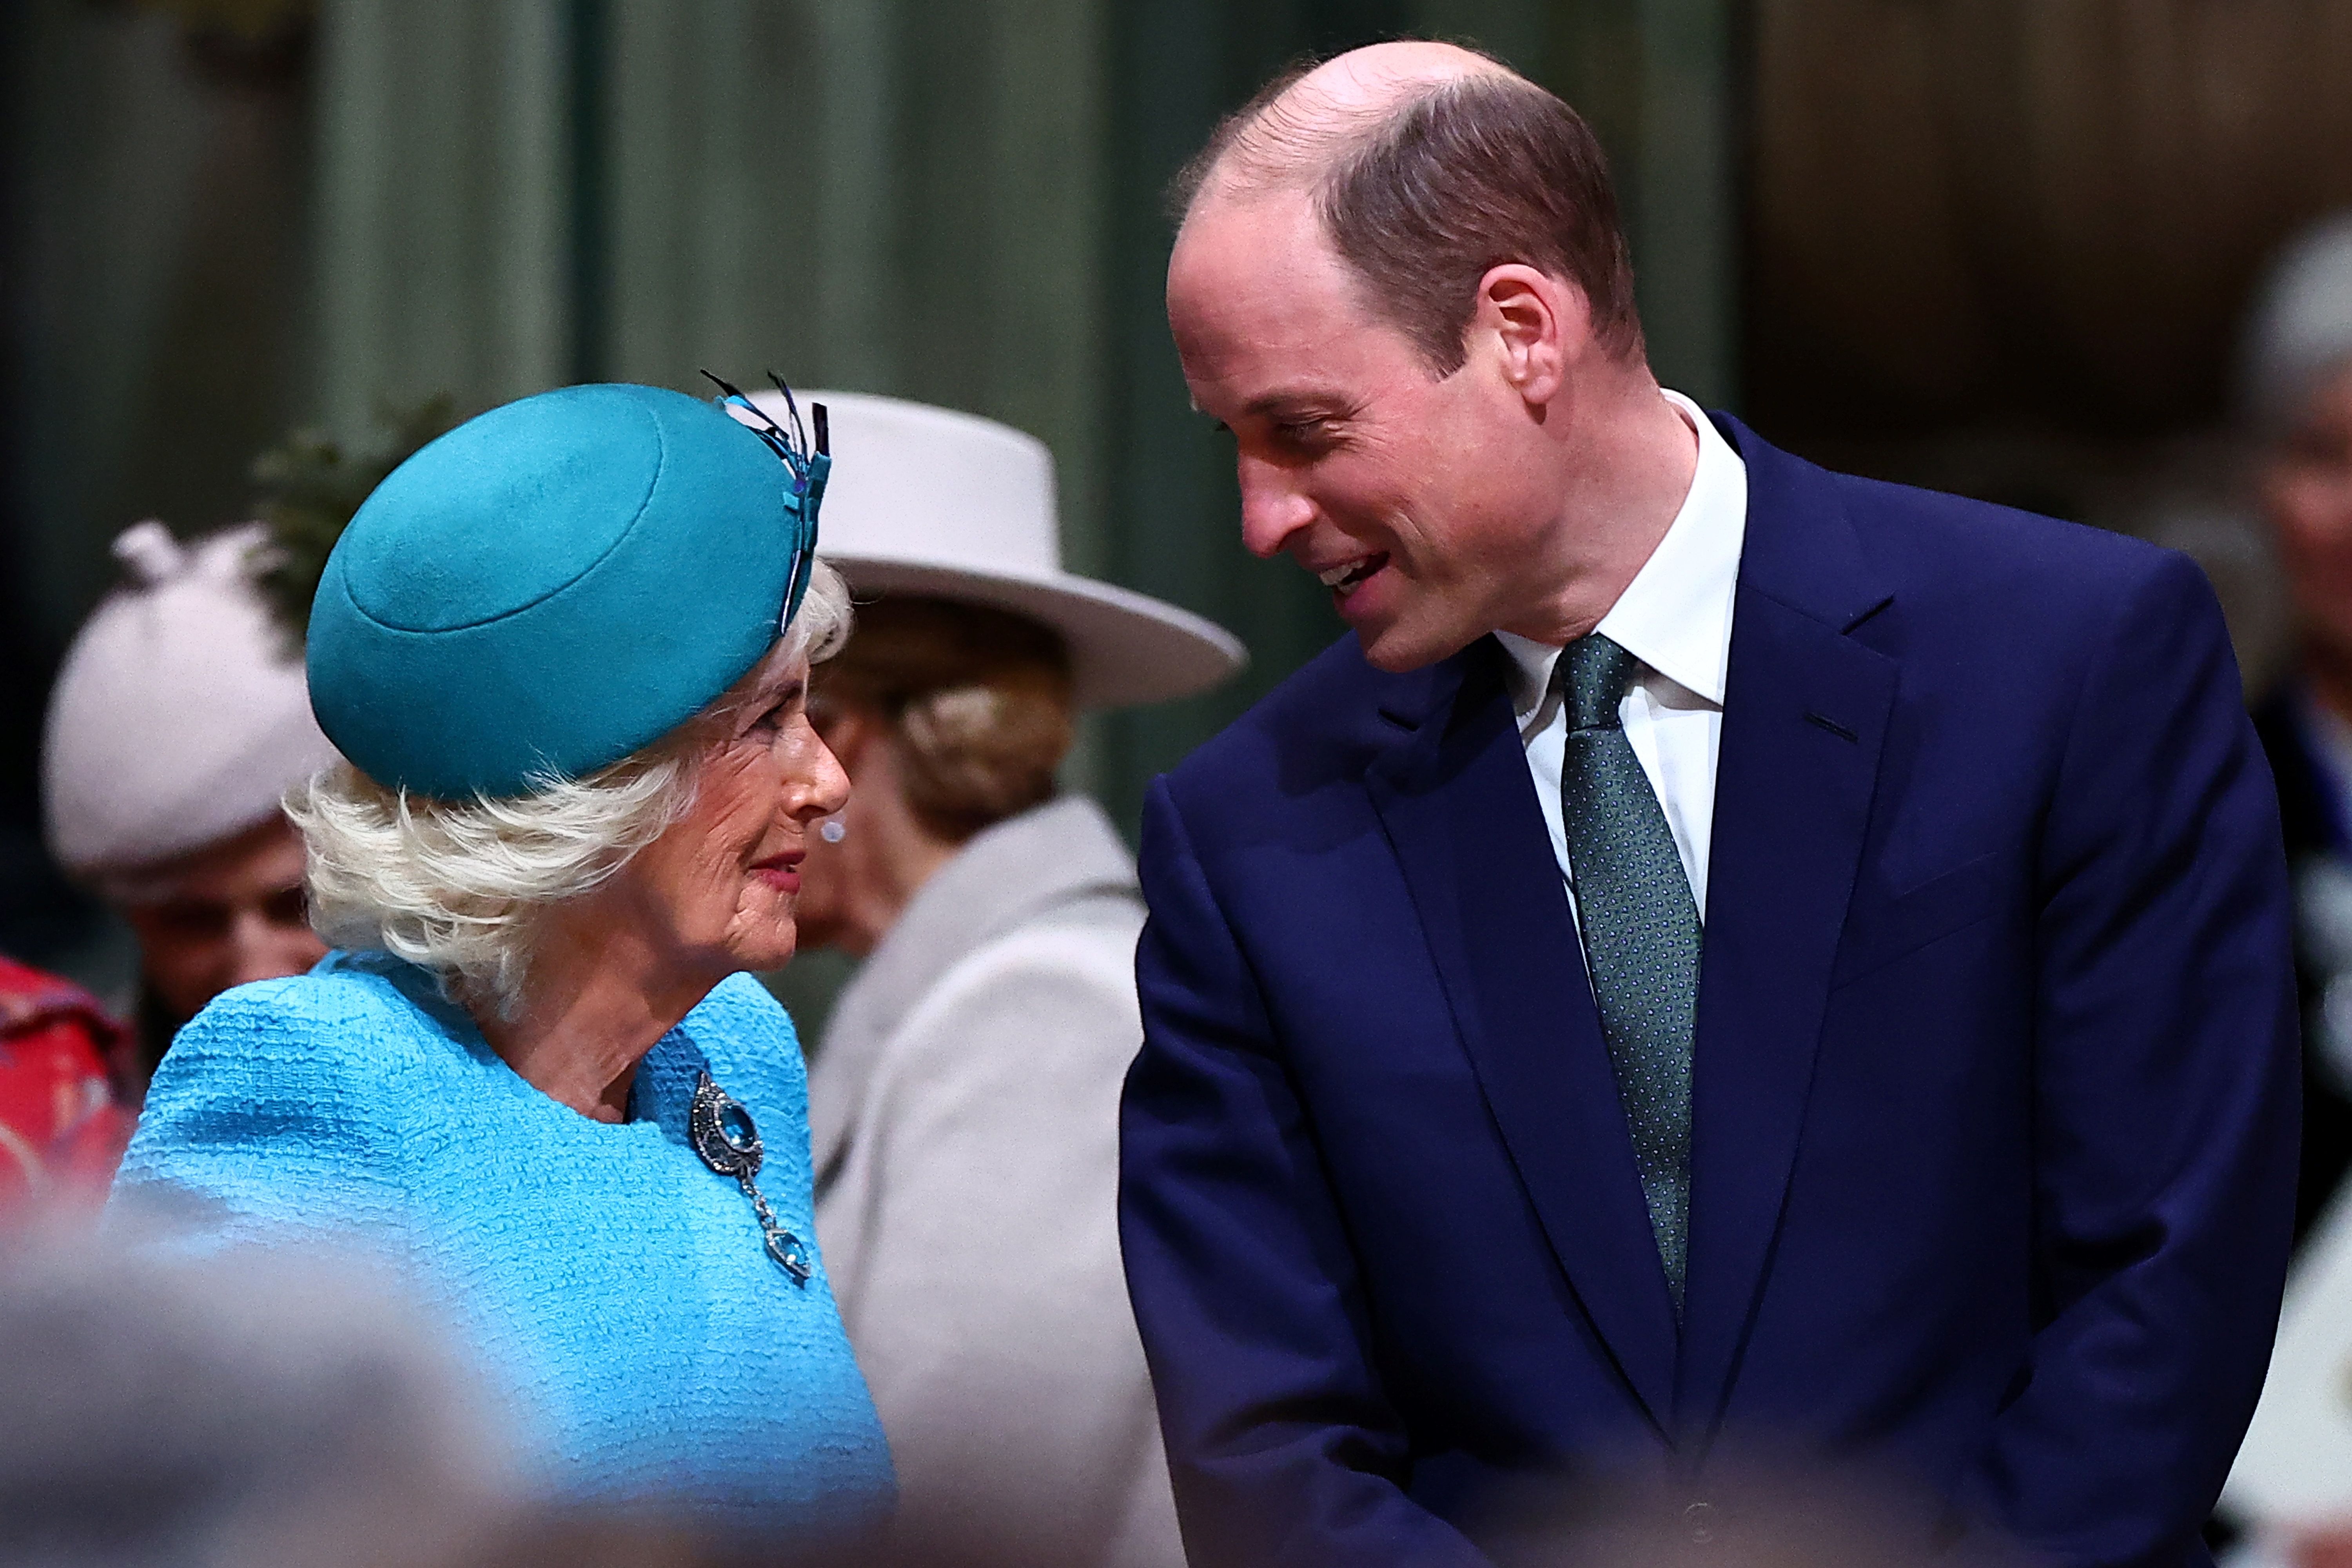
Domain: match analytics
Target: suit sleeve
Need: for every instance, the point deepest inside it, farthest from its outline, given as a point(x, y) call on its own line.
point(2167, 1079)
point(1282, 1444)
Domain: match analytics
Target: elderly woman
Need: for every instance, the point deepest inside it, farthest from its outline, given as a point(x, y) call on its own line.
point(966, 1099)
point(581, 779)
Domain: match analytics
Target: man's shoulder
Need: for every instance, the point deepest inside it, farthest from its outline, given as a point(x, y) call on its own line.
point(1934, 549)
point(1958, 536)
point(1960, 588)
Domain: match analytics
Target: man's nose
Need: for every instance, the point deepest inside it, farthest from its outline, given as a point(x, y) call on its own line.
point(1273, 508)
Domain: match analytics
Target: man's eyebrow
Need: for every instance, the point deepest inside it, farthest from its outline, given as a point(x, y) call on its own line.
point(1291, 399)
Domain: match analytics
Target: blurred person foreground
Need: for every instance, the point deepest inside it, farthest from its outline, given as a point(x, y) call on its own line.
point(292, 1406)
point(284, 1406)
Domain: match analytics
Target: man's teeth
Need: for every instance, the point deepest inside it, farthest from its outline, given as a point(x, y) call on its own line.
point(1341, 573)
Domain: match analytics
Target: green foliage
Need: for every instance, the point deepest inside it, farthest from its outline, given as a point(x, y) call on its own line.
point(309, 489)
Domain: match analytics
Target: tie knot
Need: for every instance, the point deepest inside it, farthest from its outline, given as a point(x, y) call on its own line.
point(1592, 676)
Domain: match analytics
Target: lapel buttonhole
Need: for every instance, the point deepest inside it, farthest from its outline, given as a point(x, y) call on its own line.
point(1833, 726)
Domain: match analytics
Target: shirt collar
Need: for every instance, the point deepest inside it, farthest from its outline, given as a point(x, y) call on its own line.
point(1676, 614)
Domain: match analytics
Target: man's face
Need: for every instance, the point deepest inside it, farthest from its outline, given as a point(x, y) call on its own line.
point(1410, 496)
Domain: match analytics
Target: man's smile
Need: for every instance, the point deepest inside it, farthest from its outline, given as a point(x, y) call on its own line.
point(1347, 574)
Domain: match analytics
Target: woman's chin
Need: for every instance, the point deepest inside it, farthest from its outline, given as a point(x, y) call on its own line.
point(771, 949)
point(764, 934)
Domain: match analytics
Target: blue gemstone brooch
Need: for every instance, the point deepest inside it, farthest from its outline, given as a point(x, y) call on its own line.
point(722, 1133)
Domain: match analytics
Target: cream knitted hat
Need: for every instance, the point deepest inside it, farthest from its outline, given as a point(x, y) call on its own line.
point(179, 718)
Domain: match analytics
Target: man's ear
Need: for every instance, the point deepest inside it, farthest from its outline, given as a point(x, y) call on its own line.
point(1536, 326)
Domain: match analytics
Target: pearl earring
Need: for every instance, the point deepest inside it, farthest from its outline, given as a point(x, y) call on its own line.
point(831, 830)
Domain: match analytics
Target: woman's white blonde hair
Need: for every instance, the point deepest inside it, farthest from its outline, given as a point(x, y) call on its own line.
point(457, 887)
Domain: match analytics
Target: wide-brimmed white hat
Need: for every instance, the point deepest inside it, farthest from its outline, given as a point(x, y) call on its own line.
point(927, 500)
point(180, 715)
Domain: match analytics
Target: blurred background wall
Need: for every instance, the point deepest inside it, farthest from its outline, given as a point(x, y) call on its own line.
point(1998, 245)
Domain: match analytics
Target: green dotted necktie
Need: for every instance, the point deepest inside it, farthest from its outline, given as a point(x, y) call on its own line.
point(1641, 932)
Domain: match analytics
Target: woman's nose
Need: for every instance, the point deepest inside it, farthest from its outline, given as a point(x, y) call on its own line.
point(826, 790)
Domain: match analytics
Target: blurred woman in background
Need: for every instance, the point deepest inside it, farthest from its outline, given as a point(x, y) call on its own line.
point(2298, 398)
point(2292, 1481)
point(180, 720)
point(565, 651)
point(178, 724)
point(964, 1104)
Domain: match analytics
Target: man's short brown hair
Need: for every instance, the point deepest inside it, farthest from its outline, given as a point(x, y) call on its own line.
point(1461, 177)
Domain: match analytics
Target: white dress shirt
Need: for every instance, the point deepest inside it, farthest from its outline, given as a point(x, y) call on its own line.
point(1675, 617)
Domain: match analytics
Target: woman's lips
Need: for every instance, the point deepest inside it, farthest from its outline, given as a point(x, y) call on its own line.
point(782, 872)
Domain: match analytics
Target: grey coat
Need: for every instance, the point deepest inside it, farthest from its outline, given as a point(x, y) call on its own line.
point(964, 1111)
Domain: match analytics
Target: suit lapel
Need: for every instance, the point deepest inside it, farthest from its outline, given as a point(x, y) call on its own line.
point(1805, 712)
point(1459, 808)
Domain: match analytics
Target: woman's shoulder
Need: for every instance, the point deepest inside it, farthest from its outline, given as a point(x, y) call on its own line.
point(287, 1097)
point(742, 1015)
point(1080, 957)
point(1046, 999)
point(355, 1003)
point(354, 1028)
point(748, 1040)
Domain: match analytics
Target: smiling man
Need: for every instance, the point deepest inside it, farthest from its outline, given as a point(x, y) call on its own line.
point(1726, 954)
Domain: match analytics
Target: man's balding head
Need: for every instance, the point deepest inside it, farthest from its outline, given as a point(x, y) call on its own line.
point(1428, 164)
point(1304, 121)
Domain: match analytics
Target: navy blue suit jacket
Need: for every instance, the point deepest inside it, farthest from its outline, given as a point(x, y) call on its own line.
point(1994, 1143)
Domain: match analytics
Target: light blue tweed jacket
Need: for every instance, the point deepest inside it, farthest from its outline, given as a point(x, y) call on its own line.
point(615, 1285)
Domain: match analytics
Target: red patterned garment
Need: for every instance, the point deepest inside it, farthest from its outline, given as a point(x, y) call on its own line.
point(62, 1125)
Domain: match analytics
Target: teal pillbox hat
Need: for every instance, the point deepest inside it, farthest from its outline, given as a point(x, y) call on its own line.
point(554, 586)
